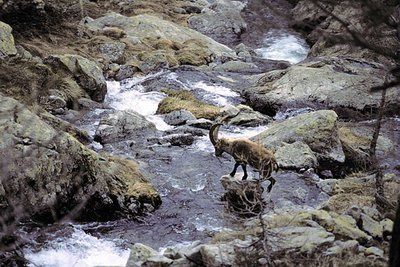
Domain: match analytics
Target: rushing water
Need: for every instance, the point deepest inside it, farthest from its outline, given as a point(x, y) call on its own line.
point(281, 45)
point(79, 249)
point(186, 177)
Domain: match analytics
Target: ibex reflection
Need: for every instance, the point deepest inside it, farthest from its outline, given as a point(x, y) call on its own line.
point(245, 152)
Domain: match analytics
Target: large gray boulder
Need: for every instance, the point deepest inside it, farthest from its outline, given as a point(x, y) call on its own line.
point(112, 51)
point(221, 20)
point(122, 125)
point(297, 155)
point(87, 73)
point(340, 84)
point(48, 174)
point(316, 129)
point(7, 47)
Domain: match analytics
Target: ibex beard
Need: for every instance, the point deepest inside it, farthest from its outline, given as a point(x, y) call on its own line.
point(245, 151)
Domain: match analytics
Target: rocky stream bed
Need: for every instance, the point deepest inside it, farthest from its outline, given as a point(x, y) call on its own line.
point(106, 159)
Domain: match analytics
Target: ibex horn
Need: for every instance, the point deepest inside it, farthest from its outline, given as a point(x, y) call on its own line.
point(214, 133)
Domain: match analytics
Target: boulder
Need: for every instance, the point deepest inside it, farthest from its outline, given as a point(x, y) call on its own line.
point(335, 83)
point(221, 20)
point(185, 139)
point(341, 225)
point(49, 174)
point(316, 129)
point(7, 47)
point(246, 117)
point(113, 51)
point(296, 156)
point(218, 254)
point(122, 125)
point(305, 239)
point(372, 227)
point(164, 40)
point(88, 74)
point(142, 255)
point(327, 185)
point(178, 117)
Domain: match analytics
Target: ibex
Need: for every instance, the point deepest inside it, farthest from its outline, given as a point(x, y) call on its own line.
point(245, 152)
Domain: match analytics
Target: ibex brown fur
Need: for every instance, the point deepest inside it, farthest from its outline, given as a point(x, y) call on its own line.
point(245, 152)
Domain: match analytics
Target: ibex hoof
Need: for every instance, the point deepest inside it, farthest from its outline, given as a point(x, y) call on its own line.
point(244, 178)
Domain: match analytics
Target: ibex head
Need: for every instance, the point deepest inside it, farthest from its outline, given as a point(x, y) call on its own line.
point(220, 145)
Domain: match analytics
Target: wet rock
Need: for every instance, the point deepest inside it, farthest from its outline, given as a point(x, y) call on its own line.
point(316, 129)
point(200, 123)
point(178, 117)
point(333, 83)
point(188, 129)
point(122, 125)
point(221, 20)
point(142, 255)
point(86, 72)
point(113, 51)
point(248, 117)
point(60, 174)
point(7, 46)
point(126, 71)
point(88, 104)
point(229, 111)
point(177, 139)
point(296, 156)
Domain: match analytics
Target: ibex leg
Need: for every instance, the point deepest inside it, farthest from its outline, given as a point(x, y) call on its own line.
point(245, 171)
point(234, 169)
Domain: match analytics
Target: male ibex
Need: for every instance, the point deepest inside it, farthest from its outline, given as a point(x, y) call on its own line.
point(245, 152)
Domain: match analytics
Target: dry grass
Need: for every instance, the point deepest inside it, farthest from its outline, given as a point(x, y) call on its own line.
point(177, 100)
